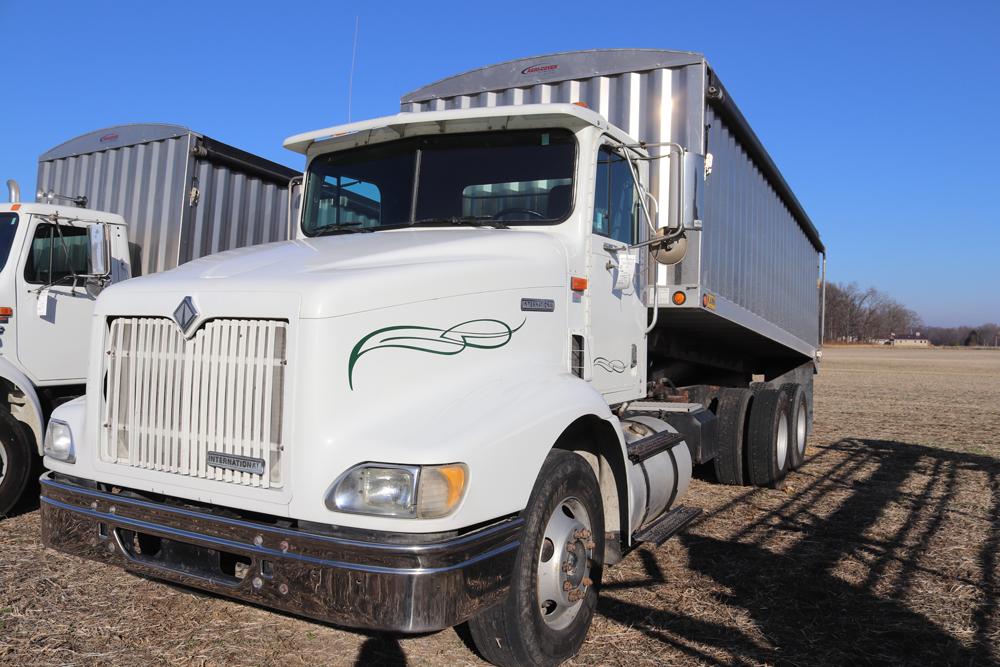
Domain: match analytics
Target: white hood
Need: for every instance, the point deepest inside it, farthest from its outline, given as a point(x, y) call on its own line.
point(350, 273)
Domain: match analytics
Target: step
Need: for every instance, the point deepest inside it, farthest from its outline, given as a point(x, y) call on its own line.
point(640, 450)
point(669, 525)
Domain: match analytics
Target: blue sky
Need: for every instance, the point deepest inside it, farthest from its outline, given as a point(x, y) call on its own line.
point(880, 115)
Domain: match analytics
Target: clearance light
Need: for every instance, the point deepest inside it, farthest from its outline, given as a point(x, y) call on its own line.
point(15, 207)
point(679, 298)
point(581, 104)
point(578, 284)
point(6, 312)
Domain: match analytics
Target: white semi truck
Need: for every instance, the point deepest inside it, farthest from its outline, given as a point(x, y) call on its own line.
point(177, 190)
point(514, 317)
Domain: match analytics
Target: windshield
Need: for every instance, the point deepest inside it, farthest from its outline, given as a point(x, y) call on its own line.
point(8, 225)
point(520, 177)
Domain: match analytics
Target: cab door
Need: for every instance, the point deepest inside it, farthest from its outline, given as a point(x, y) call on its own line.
point(54, 309)
point(617, 314)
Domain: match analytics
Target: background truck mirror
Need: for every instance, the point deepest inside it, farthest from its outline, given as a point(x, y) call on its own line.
point(99, 265)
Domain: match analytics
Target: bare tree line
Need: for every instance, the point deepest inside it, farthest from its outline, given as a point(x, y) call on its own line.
point(856, 315)
point(864, 315)
point(985, 334)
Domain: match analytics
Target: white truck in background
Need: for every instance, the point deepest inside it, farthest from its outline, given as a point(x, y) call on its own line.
point(166, 195)
point(514, 317)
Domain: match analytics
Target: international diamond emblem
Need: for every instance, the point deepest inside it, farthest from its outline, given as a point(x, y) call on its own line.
point(186, 314)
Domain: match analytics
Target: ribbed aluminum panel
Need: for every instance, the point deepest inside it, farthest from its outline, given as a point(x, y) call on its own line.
point(144, 183)
point(171, 400)
point(753, 252)
point(234, 210)
point(180, 201)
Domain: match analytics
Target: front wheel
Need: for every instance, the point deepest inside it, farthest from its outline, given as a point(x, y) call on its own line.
point(545, 617)
point(17, 460)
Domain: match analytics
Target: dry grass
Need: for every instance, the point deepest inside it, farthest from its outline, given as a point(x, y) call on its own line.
point(883, 548)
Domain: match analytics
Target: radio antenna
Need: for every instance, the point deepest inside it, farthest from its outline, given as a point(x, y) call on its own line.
point(354, 58)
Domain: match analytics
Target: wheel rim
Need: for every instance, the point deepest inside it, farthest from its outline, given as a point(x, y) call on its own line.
point(800, 428)
point(3, 461)
point(565, 557)
point(781, 441)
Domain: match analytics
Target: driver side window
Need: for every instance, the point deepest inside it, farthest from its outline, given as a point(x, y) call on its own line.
point(614, 197)
point(54, 258)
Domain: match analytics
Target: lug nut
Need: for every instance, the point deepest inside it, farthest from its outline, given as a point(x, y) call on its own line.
point(567, 585)
point(567, 567)
point(581, 534)
point(571, 547)
point(587, 581)
point(591, 544)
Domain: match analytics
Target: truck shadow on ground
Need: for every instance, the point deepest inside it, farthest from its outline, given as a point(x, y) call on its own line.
point(874, 526)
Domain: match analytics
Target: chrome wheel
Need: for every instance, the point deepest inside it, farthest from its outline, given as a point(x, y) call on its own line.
point(800, 428)
point(564, 562)
point(781, 441)
point(3, 461)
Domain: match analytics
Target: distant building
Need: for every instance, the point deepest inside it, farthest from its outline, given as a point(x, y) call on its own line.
point(909, 340)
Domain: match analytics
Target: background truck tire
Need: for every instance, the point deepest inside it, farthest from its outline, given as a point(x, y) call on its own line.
point(732, 426)
point(768, 437)
point(517, 631)
point(17, 461)
point(798, 424)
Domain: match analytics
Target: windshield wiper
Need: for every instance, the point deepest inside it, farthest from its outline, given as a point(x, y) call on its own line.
point(463, 220)
point(343, 228)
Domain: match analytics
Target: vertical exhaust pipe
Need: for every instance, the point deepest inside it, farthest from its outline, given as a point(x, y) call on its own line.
point(14, 190)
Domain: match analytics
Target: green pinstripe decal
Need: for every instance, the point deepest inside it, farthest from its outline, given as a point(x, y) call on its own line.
point(484, 334)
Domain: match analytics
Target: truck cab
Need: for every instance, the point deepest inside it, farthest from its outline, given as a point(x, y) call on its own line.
point(48, 288)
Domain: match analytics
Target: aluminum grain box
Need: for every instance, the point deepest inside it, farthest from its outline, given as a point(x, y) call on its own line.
point(183, 195)
point(753, 272)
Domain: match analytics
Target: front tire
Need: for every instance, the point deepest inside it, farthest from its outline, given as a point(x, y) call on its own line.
point(17, 460)
point(547, 613)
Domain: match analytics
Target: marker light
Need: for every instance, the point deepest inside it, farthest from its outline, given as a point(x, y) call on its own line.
point(578, 284)
point(679, 298)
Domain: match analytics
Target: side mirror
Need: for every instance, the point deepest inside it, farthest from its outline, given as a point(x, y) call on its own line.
point(99, 264)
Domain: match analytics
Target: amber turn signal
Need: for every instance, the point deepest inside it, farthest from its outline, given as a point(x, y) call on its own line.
point(679, 298)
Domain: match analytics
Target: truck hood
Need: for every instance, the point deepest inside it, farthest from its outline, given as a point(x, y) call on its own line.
point(350, 273)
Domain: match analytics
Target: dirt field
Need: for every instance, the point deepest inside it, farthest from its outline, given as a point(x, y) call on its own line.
point(882, 549)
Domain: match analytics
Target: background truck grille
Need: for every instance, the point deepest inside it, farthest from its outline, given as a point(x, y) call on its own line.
point(169, 400)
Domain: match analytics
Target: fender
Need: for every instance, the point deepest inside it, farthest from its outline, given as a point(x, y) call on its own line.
point(30, 411)
point(501, 422)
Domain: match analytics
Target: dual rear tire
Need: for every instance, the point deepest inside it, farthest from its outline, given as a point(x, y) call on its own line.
point(762, 434)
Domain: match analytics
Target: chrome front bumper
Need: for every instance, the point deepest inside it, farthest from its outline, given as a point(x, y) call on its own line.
point(398, 583)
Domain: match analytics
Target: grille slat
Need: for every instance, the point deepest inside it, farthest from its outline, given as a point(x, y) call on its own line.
point(171, 400)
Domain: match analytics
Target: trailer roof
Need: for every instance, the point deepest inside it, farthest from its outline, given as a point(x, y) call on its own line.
point(572, 65)
point(133, 134)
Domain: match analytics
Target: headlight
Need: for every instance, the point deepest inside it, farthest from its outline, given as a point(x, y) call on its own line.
point(421, 492)
point(59, 442)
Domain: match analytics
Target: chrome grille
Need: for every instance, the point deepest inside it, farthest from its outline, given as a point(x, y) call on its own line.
point(170, 400)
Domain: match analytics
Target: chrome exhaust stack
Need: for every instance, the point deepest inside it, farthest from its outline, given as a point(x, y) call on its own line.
point(14, 191)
